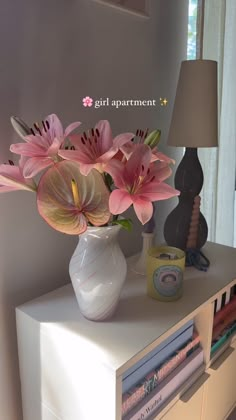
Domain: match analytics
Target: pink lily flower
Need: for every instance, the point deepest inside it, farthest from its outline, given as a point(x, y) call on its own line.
point(42, 146)
point(67, 200)
point(12, 179)
point(139, 183)
point(156, 155)
point(142, 138)
point(95, 149)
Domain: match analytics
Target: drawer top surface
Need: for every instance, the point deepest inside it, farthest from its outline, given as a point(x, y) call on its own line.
point(140, 322)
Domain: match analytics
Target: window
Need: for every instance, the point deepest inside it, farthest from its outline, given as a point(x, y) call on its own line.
point(192, 29)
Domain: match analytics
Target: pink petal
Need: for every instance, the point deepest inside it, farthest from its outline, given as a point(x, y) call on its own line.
point(108, 155)
point(10, 170)
point(119, 201)
point(138, 162)
point(160, 156)
point(127, 149)
point(76, 156)
point(37, 140)
point(11, 179)
point(85, 169)
point(105, 137)
point(53, 149)
point(43, 141)
point(143, 209)
point(122, 139)
point(4, 188)
point(55, 127)
point(116, 169)
point(75, 139)
point(161, 171)
point(71, 127)
point(35, 165)
point(22, 162)
point(157, 191)
point(117, 143)
point(28, 149)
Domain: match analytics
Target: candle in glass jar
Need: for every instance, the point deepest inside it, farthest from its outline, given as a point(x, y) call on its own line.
point(165, 267)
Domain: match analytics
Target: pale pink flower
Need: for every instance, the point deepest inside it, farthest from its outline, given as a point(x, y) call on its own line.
point(12, 179)
point(42, 146)
point(69, 211)
point(139, 183)
point(87, 101)
point(143, 138)
point(96, 148)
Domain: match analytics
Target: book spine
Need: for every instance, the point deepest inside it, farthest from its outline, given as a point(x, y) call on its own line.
point(160, 395)
point(138, 375)
point(221, 339)
point(152, 354)
point(219, 328)
point(136, 394)
point(219, 316)
point(164, 371)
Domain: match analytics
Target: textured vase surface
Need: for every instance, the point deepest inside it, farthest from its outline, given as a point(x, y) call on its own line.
point(98, 270)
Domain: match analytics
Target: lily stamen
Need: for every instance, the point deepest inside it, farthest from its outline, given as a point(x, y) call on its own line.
point(37, 128)
point(44, 126)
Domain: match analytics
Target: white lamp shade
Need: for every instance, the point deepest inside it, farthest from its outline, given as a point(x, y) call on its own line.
point(194, 119)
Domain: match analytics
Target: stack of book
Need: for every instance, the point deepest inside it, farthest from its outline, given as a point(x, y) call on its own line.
point(148, 384)
point(224, 324)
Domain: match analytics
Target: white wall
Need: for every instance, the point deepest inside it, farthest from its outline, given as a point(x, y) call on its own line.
point(53, 53)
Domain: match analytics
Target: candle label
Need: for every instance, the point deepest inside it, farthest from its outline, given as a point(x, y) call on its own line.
point(167, 280)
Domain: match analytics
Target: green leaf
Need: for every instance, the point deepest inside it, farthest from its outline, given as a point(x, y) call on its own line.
point(125, 223)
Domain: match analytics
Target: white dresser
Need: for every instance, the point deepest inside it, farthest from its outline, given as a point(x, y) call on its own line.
point(71, 368)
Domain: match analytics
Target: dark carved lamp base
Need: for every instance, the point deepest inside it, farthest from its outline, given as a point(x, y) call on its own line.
point(186, 227)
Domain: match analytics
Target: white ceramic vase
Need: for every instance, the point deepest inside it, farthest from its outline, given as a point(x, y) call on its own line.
point(98, 270)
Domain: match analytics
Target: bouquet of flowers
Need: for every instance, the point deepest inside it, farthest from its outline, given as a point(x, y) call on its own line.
point(88, 178)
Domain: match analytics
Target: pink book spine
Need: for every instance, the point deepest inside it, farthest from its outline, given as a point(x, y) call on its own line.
point(159, 395)
point(177, 359)
point(225, 311)
point(217, 330)
point(137, 393)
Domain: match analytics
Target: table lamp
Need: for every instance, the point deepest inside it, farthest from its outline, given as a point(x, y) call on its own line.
point(193, 125)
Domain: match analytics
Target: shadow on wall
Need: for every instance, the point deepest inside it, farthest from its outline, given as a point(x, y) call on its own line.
point(33, 260)
point(30, 251)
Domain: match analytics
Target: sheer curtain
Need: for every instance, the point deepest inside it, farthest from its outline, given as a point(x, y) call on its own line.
point(218, 195)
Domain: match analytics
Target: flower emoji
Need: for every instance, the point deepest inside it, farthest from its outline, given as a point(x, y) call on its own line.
point(87, 101)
